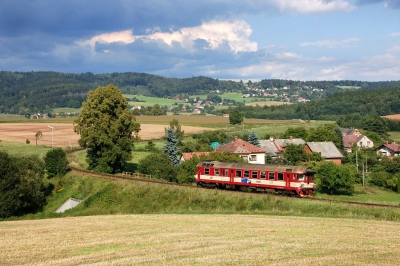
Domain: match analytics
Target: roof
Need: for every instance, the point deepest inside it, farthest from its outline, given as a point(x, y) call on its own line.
point(239, 146)
point(327, 149)
point(189, 155)
point(351, 131)
point(392, 146)
point(269, 147)
point(349, 140)
point(284, 142)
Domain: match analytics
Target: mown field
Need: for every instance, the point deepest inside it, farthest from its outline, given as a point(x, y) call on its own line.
point(198, 240)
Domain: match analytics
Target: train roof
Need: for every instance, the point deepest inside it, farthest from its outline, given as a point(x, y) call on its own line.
point(260, 167)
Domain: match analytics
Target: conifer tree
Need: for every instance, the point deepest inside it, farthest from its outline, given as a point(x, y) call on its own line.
point(170, 147)
point(254, 139)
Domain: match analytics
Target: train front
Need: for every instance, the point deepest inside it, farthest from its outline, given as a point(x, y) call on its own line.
point(306, 183)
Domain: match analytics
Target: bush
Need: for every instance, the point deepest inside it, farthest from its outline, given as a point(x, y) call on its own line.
point(56, 162)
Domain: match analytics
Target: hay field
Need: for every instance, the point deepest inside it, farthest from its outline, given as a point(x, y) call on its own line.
point(393, 117)
point(198, 240)
point(64, 134)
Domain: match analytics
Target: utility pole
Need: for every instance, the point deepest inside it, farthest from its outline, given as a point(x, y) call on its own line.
point(52, 136)
point(356, 160)
point(363, 174)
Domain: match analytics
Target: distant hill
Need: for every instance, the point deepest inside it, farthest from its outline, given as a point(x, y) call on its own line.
point(29, 92)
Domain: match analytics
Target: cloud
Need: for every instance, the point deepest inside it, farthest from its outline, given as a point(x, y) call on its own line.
point(314, 6)
point(394, 4)
point(395, 34)
point(353, 42)
point(214, 34)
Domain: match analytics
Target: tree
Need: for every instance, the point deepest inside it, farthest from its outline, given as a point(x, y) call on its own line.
point(333, 177)
point(38, 135)
point(176, 127)
point(56, 162)
point(163, 169)
point(254, 139)
point(23, 188)
point(295, 132)
point(106, 125)
point(294, 154)
point(235, 118)
point(170, 147)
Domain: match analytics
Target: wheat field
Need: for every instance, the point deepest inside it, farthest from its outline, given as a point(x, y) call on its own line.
point(198, 240)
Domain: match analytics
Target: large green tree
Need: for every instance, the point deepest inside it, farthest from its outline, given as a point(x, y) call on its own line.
point(170, 147)
point(106, 125)
point(23, 188)
point(235, 118)
point(332, 177)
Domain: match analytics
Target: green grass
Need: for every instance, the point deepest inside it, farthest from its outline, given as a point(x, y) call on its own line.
point(150, 101)
point(17, 148)
point(103, 197)
point(67, 110)
point(11, 118)
point(349, 87)
point(395, 135)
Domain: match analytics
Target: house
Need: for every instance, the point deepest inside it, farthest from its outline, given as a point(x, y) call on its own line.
point(387, 149)
point(189, 155)
point(275, 147)
point(327, 149)
point(225, 115)
point(360, 140)
point(351, 131)
point(247, 151)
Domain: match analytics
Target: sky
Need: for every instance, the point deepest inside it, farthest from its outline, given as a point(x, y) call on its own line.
point(224, 39)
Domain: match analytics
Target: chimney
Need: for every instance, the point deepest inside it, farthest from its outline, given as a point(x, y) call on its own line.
point(291, 137)
point(236, 138)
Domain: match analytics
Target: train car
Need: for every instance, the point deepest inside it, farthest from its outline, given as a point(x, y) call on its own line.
point(285, 179)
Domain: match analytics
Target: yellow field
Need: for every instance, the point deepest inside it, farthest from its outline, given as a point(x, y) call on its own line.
point(64, 135)
point(198, 240)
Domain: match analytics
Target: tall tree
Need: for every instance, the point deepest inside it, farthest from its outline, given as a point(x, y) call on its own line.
point(170, 147)
point(106, 125)
point(235, 117)
point(176, 127)
point(254, 139)
point(38, 135)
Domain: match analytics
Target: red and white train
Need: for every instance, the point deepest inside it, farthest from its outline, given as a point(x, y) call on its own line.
point(285, 179)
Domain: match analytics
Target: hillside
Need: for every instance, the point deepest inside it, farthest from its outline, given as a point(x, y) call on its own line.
point(25, 93)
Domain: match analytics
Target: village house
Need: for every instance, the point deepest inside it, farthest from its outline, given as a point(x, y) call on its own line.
point(248, 151)
point(388, 149)
point(360, 140)
point(327, 149)
point(276, 147)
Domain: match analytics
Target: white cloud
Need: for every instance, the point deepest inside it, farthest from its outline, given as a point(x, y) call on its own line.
point(216, 33)
point(353, 42)
point(313, 6)
point(395, 34)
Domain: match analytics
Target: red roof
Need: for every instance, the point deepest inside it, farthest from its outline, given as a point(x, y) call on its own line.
point(189, 155)
point(393, 146)
point(239, 146)
point(349, 140)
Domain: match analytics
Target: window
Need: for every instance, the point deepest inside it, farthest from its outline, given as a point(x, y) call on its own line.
point(253, 158)
point(206, 171)
point(300, 177)
point(271, 175)
point(239, 173)
point(226, 172)
point(262, 175)
point(246, 174)
point(216, 171)
point(254, 174)
point(280, 176)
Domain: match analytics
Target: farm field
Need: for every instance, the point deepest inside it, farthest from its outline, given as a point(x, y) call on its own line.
point(198, 240)
point(394, 117)
point(64, 135)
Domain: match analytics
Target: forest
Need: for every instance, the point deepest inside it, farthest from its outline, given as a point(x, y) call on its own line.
point(25, 93)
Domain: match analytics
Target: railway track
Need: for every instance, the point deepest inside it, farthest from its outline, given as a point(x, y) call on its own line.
point(129, 178)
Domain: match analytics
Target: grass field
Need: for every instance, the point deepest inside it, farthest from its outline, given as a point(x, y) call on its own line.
point(349, 87)
point(395, 135)
point(150, 101)
point(198, 240)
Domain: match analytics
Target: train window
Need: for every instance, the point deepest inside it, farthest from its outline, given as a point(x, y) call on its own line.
point(216, 171)
point(246, 174)
point(300, 177)
point(206, 171)
point(280, 176)
point(254, 174)
point(239, 173)
point(262, 175)
point(226, 172)
point(271, 175)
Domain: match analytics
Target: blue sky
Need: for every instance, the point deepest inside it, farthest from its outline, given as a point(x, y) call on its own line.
point(225, 39)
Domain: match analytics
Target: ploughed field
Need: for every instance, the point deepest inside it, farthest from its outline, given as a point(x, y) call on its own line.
point(64, 135)
point(198, 240)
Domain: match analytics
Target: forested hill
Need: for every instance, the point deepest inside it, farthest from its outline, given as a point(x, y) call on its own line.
point(29, 92)
point(26, 92)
